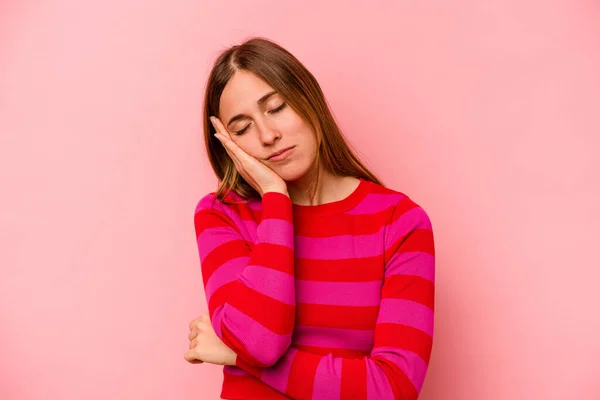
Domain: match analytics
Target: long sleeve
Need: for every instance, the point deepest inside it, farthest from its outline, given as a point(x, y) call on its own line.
point(397, 364)
point(250, 291)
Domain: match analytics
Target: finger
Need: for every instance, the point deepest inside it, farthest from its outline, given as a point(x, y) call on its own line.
point(192, 357)
point(220, 127)
point(194, 323)
point(193, 334)
point(231, 151)
point(193, 343)
point(235, 152)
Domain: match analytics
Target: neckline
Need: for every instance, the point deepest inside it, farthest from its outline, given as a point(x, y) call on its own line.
point(337, 206)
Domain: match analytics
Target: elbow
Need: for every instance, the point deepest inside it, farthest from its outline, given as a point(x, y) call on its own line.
point(268, 351)
point(255, 343)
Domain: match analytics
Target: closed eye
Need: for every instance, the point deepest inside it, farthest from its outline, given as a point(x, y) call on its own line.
point(273, 111)
point(276, 110)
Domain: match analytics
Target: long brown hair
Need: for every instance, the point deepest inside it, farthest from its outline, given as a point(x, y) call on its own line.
point(286, 74)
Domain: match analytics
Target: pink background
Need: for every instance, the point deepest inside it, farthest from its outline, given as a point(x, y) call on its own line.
point(486, 112)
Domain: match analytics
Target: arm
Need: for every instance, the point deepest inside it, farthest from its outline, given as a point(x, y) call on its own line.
point(250, 292)
point(396, 367)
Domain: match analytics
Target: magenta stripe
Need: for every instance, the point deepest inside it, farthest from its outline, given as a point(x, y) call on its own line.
point(355, 246)
point(217, 321)
point(328, 379)
point(406, 312)
point(406, 223)
point(262, 343)
point(211, 238)
point(378, 385)
point(277, 375)
point(275, 284)
point(231, 370)
point(339, 293)
point(338, 247)
point(413, 366)
point(413, 264)
point(247, 227)
point(206, 202)
point(337, 338)
point(276, 231)
point(224, 274)
point(376, 202)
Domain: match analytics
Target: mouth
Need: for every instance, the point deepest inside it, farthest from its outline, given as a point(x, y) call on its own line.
point(282, 154)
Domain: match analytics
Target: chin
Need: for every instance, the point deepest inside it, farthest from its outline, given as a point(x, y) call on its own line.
point(292, 172)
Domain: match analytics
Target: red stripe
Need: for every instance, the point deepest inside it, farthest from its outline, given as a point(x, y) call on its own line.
point(277, 206)
point(402, 387)
point(272, 314)
point(205, 219)
point(354, 379)
point(345, 317)
point(417, 240)
point(342, 224)
point(249, 366)
point(274, 256)
point(344, 270)
point(403, 337)
point(302, 375)
point(403, 206)
point(409, 287)
point(222, 254)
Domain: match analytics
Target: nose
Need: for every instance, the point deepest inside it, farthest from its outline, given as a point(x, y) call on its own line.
point(268, 134)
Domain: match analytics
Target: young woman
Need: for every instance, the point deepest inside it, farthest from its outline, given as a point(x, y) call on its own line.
point(319, 280)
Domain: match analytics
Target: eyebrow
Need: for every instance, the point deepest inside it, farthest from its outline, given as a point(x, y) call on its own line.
point(259, 102)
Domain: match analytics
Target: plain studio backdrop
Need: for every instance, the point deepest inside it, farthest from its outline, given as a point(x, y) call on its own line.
point(487, 113)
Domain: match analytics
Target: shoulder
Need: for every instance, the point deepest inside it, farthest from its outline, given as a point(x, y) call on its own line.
point(232, 208)
point(401, 205)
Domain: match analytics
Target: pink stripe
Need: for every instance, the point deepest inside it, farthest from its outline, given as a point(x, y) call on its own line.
point(247, 227)
point(378, 385)
point(217, 321)
point(357, 246)
point(339, 293)
point(408, 222)
point(224, 274)
point(337, 338)
point(276, 231)
point(410, 363)
point(231, 370)
point(338, 247)
point(211, 238)
point(263, 344)
point(406, 312)
point(277, 376)
point(413, 264)
point(275, 284)
point(376, 202)
point(328, 379)
point(206, 202)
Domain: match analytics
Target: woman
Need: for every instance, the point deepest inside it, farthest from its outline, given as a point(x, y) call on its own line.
point(319, 280)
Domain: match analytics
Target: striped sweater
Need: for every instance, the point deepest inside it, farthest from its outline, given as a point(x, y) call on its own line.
point(333, 301)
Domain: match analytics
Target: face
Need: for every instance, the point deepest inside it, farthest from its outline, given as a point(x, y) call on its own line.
point(263, 124)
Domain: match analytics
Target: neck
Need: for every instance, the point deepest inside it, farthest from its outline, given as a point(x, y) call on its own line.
point(330, 188)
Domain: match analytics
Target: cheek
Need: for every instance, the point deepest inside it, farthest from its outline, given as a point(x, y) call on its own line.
point(245, 142)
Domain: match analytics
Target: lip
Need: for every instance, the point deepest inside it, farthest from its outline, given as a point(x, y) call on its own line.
point(282, 155)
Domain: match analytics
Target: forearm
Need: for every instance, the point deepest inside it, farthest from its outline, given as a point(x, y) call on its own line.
point(250, 292)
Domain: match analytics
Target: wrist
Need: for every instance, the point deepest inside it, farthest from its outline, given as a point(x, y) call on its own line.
point(232, 360)
point(277, 190)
